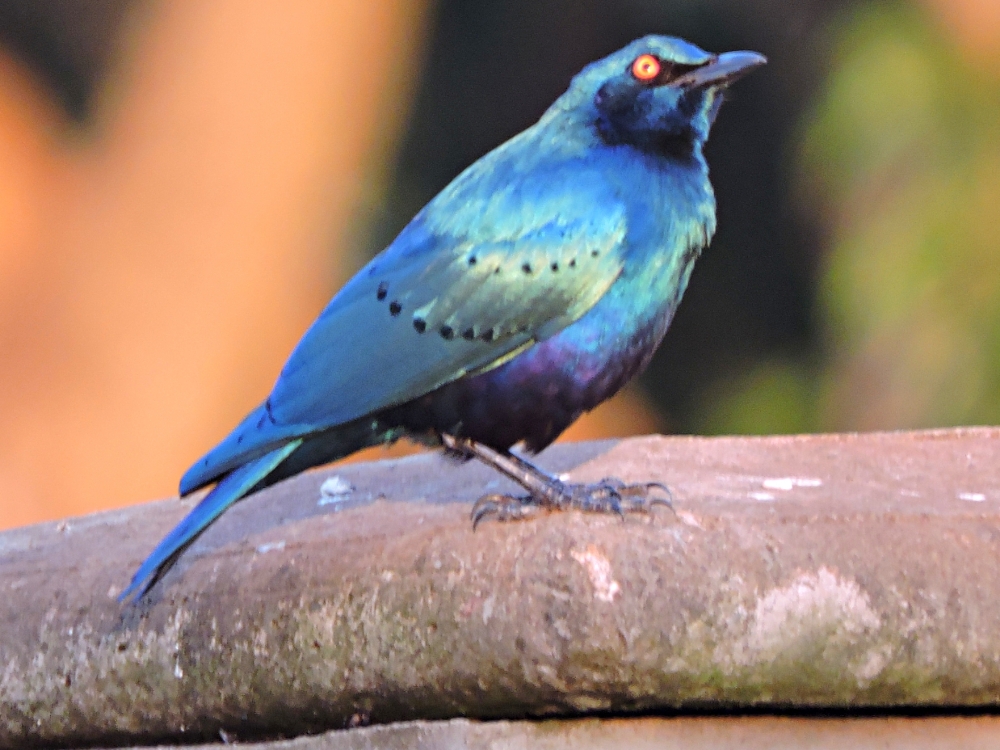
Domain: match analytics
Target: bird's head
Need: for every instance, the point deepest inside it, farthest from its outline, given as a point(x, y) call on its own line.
point(658, 94)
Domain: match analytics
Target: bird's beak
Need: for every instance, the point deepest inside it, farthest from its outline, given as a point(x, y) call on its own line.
point(721, 70)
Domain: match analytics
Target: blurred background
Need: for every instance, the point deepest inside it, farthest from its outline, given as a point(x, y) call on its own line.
point(184, 183)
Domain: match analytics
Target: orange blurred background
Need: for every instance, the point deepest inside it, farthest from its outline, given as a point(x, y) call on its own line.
point(157, 268)
point(158, 263)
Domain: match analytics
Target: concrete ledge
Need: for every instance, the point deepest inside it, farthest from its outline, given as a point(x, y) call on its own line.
point(840, 570)
point(745, 733)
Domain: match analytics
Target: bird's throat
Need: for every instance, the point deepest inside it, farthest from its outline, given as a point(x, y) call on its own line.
point(677, 145)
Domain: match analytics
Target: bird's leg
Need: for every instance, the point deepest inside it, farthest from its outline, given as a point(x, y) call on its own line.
point(546, 491)
point(546, 488)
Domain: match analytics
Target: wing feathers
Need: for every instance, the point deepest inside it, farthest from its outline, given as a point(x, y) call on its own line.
point(467, 285)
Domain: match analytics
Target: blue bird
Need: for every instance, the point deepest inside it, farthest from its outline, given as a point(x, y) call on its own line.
point(528, 291)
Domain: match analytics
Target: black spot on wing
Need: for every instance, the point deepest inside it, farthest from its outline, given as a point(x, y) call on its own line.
point(267, 416)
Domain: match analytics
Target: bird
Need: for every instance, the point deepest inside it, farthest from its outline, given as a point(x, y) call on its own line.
point(528, 291)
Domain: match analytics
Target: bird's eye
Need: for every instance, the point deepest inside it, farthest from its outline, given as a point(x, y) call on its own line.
point(646, 68)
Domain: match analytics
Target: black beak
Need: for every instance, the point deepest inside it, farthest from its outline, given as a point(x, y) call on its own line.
point(721, 70)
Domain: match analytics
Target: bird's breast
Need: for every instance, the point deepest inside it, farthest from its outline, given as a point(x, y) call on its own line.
point(536, 395)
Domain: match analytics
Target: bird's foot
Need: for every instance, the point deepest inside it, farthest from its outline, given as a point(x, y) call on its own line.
point(504, 508)
point(606, 496)
point(612, 495)
point(547, 492)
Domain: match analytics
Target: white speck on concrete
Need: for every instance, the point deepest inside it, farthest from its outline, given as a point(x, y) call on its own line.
point(270, 547)
point(689, 519)
point(488, 609)
point(909, 493)
point(598, 567)
point(787, 483)
point(334, 489)
point(972, 497)
point(869, 669)
point(764, 497)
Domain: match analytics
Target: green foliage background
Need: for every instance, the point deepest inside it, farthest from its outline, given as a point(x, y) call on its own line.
point(900, 155)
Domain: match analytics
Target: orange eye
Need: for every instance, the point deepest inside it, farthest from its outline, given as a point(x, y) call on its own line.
point(646, 67)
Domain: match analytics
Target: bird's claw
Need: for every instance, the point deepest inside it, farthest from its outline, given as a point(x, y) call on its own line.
point(641, 498)
point(606, 496)
point(503, 508)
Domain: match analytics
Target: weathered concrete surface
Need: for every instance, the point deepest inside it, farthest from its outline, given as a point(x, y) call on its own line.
point(808, 571)
point(718, 733)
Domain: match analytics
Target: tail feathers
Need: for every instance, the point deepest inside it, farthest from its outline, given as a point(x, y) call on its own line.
point(231, 488)
point(256, 436)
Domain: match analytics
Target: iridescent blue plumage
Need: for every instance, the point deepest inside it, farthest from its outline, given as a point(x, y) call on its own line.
point(528, 291)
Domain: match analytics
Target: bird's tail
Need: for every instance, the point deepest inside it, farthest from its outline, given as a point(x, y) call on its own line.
point(231, 488)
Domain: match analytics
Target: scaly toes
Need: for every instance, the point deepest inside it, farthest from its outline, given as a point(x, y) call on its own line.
point(612, 495)
point(640, 498)
point(502, 508)
point(602, 497)
point(607, 496)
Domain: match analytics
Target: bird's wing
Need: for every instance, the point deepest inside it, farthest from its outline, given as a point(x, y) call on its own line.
point(450, 298)
point(464, 287)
